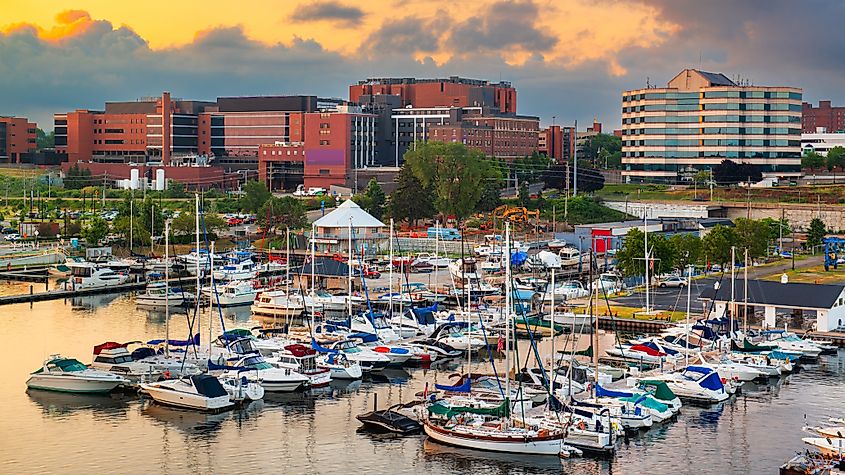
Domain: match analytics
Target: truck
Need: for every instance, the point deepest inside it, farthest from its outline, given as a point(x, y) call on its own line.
point(444, 234)
point(313, 191)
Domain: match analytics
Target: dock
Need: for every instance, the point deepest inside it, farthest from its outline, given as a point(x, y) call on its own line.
point(60, 294)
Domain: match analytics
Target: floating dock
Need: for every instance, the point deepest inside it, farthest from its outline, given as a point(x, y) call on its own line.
point(67, 294)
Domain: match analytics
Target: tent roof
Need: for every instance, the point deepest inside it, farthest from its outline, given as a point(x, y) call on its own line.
point(339, 217)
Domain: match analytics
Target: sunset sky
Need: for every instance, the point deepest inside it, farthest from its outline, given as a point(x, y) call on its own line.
point(568, 58)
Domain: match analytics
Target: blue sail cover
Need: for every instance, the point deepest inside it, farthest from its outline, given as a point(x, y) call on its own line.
point(602, 392)
point(321, 349)
point(364, 337)
point(706, 331)
point(463, 388)
point(194, 341)
point(518, 258)
point(711, 381)
point(654, 347)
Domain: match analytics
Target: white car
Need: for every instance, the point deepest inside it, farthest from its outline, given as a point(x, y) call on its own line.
point(12, 237)
point(673, 281)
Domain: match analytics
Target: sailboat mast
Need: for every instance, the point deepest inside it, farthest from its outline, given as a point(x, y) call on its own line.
point(210, 297)
point(647, 282)
point(436, 240)
point(553, 321)
point(197, 232)
point(596, 317)
point(313, 264)
point(167, 288)
point(152, 228)
point(733, 295)
point(349, 270)
point(745, 295)
point(287, 274)
point(507, 311)
point(390, 278)
point(131, 222)
point(689, 294)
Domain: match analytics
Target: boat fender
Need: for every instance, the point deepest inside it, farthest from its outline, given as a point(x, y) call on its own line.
point(582, 425)
point(543, 432)
point(166, 374)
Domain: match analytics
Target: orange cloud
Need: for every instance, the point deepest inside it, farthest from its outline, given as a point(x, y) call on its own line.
point(69, 24)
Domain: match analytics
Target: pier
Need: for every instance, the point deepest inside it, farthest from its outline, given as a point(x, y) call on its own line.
point(61, 294)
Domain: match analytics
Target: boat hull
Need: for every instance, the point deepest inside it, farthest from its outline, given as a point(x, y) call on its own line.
point(184, 400)
point(70, 384)
point(520, 445)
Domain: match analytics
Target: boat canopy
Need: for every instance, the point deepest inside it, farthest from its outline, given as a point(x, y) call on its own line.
point(109, 345)
point(648, 402)
point(657, 347)
point(711, 381)
point(462, 388)
point(649, 350)
point(236, 334)
point(142, 352)
point(602, 392)
point(441, 409)
point(299, 351)
point(322, 349)
point(659, 389)
point(194, 341)
point(208, 386)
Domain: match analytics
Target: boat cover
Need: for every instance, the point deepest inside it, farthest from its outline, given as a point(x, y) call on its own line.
point(322, 349)
point(109, 345)
point(299, 351)
point(602, 392)
point(711, 381)
point(208, 386)
point(391, 349)
point(194, 341)
point(142, 352)
point(441, 409)
point(659, 389)
point(518, 258)
point(463, 388)
point(655, 347)
point(647, 350)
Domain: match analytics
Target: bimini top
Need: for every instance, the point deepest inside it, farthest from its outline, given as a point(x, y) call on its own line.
point(339, 217)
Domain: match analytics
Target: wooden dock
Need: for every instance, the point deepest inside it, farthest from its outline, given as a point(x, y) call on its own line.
point(67, 294)
point(633, 325)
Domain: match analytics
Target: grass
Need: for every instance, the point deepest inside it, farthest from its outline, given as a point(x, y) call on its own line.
point(636, 313)
point(813, 275)
point(781, 194)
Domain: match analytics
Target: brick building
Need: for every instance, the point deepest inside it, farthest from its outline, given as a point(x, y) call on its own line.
point(452, 92)
point(17, 139)
point(556, 142)
point(831, 119)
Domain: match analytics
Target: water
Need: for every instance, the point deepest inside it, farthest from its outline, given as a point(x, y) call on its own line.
point(317, 432)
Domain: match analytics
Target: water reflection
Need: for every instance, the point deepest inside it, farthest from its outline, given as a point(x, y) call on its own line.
point(58, 404)
point(190, 422)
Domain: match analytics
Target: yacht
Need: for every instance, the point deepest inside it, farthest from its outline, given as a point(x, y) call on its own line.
point(369, 360)
point(564, 291)
point(437, 262)
point(158, 294)
point(276, 303)
point(236, 270)
point(340, 367)
point(115, 358)
point(86, 275)
point(303, 360)
point(200, 392)
point(69, 375)
point(234, 293)
point(696, 383)
point(570, 256)
point(271, 378)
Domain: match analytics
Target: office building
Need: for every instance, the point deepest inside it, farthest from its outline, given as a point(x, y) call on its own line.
point(17, 139)
point(449, 92)
point(701, 119)
point(821, 142)
point(824, 117)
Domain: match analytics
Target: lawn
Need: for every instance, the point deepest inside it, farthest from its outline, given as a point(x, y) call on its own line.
point(813, 275)
point(636, 313)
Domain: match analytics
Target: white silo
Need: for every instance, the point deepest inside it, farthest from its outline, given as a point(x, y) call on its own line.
point(133, 179)
point(160, 183)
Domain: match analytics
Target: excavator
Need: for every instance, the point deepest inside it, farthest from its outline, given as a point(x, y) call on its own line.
point(515, 214)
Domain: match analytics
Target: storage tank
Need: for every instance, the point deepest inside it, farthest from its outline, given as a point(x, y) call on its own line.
point(133, 179)
point(160, 183)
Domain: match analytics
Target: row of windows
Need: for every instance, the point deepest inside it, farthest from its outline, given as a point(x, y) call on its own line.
point(719, 106)
point(773, 167)
point(733, 94)
point(692, 119)
point(712, 142)
point(715, 131)
point(712, 154)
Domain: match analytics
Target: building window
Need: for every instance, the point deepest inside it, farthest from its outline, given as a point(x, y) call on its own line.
point(324, 142)
point(323, 171)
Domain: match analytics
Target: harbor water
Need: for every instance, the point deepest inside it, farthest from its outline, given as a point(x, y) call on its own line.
point(316, 432)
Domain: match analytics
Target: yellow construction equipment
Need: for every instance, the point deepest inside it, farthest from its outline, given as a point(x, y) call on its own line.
point(515, 214)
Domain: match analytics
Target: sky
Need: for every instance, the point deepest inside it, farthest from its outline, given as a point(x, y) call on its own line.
point(570, 59)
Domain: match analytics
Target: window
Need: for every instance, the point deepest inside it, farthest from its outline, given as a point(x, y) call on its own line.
point(323, 171)
point(324, 142)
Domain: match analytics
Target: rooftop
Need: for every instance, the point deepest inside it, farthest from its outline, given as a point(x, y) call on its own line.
point(765, 292)
point(348, 212)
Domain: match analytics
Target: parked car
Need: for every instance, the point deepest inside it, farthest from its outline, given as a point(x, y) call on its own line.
point(673, 281)
point(12, 237)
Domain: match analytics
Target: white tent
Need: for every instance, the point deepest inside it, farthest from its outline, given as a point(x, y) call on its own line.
point(339, 217)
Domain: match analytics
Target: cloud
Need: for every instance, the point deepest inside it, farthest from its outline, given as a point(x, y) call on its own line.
point(344, 15)
point(407, 36)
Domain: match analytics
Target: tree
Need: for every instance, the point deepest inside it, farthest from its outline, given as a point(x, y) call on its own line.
point(687, 249)
point(730, 173)
point(816, 232)
point(373, 199)
point(44, 140)
point(752, 235)
point(812, 160)
point(589, 179)
point(777, 228)
point(600, 147)
point(254, 197)
point(631, 257)
point(835, 158)
point(96, 231)
point(175, 189)
point(280, 213)
point(717, 244)
point(77, 178)
point(453, 172)
point(410, 201)
point(529, 168)
point(491, 196)
point(522, 194)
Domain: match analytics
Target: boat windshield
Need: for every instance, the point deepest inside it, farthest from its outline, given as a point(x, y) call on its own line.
point(70, 365)
point(256, 362)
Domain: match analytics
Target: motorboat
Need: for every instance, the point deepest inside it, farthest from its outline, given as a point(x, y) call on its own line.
point(661, 392)
point(236, 270)
point(767, 366)
point(633, 405)
point(231, 294)
point(648, 352)
point(320, 300)
point(729, 369)
point(608, 283)
point(389, 420)
point(469, 279)
point(159, 295)
point(568, 290)
point(241, 388)
point(556, 245)
point(696, 383)
point(272, 378)
point(303, 360)
point(277, 304)
point(69, 375)
point(792, 342)
point(630, 414)
point(87, 275)
point(571, 256)
point(832, 447)
point(114, 358)
point(199, 392)
point(431, 259)
point(454, 336)
point(570, 319)
point(367, 358)
point(194, 259)
point(340, 367)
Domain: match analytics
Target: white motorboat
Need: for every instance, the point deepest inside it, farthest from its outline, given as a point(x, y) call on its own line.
point(570, 256)
point(564, 291)
point(728, 369)
point(200, 392)
point(158, 295)
point(570, 319)
point(236, 270)
point(240, 388)
point(234, 293)
point(320, 300)
point(69, 375)
point(696, 383)
point(432, 259)
point(794, 343)
point(368, 359)
point(115, 358)
point(277, 304)
point(271, 378)
point(303, 360)
point(86, 275)
point(340, 367)
point(761, 363)
point(649, 352)
point(454, 336)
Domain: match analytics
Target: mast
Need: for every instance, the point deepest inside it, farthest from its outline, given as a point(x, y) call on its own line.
point(645, 228)
point(733, 295)
point(745, 295)
point(507, 312)
point(689, 293)
point(131, 223)
point(167, 288)
point(287, 274)
point(436, 236)
point(313, 252)
point(349, 270)
point(210, 297)
point(390, 278)
point(152, 228)
point(554, 370)
point(596, 318)
point(197, 232)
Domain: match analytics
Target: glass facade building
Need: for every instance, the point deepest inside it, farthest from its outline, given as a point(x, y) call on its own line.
point(701, 119)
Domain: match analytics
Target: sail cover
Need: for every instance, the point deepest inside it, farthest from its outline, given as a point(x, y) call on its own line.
point(602, 392)
point(441, 409)
point(463, 388)
point(194, 341)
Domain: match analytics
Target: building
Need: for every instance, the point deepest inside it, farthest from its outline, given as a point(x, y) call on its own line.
point(822, 142)
point(556, 142)
point(701, 119)
point(332, 230)
point(831, 119)
point(17, 139)
point(452, 92)
point(333, 145)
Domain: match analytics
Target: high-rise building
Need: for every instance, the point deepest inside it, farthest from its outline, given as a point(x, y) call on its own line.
point(824, 118)
point(701, 119)
point(17, 139)
point(449, 92)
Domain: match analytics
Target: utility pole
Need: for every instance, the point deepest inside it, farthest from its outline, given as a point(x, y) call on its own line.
point(748, 198)
point(575, 160)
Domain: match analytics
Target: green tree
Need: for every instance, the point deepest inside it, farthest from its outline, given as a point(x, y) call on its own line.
point(95, 231)
point(279, 213)
point(717, 245)
point(816, 232)
point(255, 194)
point(686, 249)
point(140, 235)
point(753, 235)
point(410, 201)
point(812, 160)
point(522, 194)
point(835, 158)
point(44, 140)
point(491, 196)
point(777, 228)
point(175, 189)
point(453, 172)
point(631, 257)
point(600, 147)
point(77, 178)
point(372, 200)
